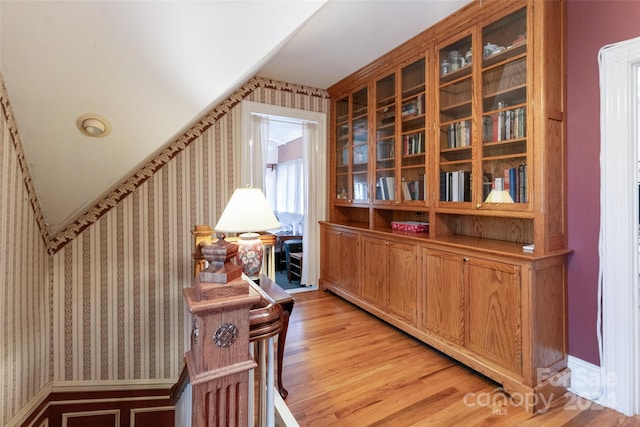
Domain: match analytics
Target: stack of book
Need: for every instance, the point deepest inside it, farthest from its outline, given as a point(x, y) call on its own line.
point(455, 186)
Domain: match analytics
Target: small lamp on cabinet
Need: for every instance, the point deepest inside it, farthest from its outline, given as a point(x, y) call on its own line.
point(248, 212)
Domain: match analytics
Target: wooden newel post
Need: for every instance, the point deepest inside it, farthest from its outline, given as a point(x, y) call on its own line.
point(219, 362)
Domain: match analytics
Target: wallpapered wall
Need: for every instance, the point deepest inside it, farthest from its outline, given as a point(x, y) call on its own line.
point(25, 288)
point(118, 305)
point(102, 299)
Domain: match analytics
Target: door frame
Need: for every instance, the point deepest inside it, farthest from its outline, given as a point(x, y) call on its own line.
point(311, 226)
point(619, 333)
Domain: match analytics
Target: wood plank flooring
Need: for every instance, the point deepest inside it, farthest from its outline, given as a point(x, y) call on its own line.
point(344, 367)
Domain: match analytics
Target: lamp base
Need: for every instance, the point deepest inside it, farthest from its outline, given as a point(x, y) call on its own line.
point(250, 253)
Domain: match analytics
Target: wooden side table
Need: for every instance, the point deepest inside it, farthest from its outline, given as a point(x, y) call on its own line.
point(295, 266)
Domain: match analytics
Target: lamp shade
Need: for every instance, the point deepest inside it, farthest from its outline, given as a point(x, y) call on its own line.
point(247, 210)
point(499, 196)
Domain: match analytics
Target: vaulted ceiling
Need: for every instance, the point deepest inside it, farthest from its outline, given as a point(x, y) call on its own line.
point(151, 68)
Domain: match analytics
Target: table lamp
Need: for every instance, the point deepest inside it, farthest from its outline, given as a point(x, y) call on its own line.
point(247, 212)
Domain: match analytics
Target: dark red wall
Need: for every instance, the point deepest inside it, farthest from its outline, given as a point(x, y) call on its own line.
point(590, 26)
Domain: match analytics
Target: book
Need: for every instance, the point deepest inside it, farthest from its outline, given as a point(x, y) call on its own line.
point(406, 192)
point(391, 187)
point(513, 184)
point(383, 190)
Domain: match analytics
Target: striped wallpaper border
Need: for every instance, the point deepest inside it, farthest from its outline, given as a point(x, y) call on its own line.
point(60, 239)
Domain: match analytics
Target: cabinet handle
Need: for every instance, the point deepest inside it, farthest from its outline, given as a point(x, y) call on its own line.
point(350, 200)
point(479, 205)
point(465, 259)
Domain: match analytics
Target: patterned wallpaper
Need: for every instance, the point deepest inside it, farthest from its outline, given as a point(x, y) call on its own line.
point(102, 299)
point(118, 272)
point(25, 285)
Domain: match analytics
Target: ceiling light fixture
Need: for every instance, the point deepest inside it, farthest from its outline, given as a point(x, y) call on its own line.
point(93, 125)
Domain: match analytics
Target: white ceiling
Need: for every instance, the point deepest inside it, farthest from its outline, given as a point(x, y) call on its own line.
point(153, 67)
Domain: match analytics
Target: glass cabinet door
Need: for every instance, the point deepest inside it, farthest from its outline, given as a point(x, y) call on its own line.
point(454, 150)
point(385, 173)
point(504, 113)
point(352, 148)
point(412, 135)
point(360, 146)
point(342, 149)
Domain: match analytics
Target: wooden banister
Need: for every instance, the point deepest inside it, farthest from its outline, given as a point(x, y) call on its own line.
point(232, 312)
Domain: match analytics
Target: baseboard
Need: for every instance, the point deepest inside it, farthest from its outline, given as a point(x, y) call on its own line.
point(586, 380)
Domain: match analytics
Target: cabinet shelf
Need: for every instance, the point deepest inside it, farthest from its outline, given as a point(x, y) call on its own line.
point(413, 119)
point(415, 155)
point(454, 112)
point(455, 149)
point(511, 53)
point(455, 162)
point(510, 90)
point(504, 157)
point(504, 143)
point(412, 91)
point(386, 101)
point(445, 124)
point(451, 76)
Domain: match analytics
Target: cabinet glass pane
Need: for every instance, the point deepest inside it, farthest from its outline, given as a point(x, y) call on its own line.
point(504, 112)
point(455, 124)
point(342, 123)
point(385, 138)
point(342, 148)
point(360, 145)
point(413, 143)
point(342, 186)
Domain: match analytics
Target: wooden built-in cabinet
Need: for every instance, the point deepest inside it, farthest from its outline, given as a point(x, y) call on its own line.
point(462, 127)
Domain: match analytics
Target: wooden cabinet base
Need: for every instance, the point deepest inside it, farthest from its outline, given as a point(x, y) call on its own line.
point(501, 313)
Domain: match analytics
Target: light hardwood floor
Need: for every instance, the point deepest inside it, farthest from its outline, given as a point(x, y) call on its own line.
point(344, 367)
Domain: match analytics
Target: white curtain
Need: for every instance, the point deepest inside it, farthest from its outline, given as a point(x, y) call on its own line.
point(254, 152)
point(270, 187)
point(314, 202)
point(290, 187)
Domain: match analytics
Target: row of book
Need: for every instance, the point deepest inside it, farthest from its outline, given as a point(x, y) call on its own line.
point(385, 149)
point(513, 182)
point(413, 190)
point(459, 134)
point(413, 144)
point(455, 186)
point(360, 191)
point(413, 108)
point(505, 125)
point(386, 188)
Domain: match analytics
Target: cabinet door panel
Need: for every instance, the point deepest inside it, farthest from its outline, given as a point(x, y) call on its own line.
point(349, 263)
point(494, 316)
point(444, 295)
point(403, 281)
point(331, 256)
point(374, 277)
